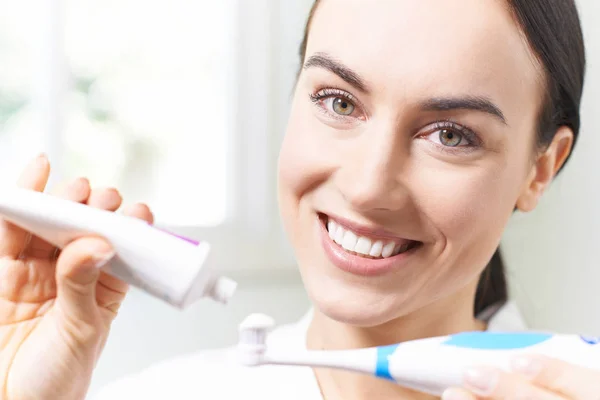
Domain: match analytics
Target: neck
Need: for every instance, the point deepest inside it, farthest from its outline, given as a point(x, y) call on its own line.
point(444, 317)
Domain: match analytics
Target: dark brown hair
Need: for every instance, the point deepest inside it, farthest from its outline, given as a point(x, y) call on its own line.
point(553, 31)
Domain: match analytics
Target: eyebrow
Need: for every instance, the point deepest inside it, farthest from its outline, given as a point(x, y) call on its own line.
point(323, 60)
point(474, 103)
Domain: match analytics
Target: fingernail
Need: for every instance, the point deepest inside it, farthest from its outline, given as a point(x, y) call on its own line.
point(81, 181)
point(41, 158)
point(101, 258)
point(455, 394)
point(526, 365)
point(481, 380)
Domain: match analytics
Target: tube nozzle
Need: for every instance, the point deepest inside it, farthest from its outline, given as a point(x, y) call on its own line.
point(222, 290)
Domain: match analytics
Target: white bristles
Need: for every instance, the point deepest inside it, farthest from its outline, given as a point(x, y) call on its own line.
point(253, 338)
point(258, 322)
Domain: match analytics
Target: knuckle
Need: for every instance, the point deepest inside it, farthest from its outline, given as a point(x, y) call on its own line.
point(143, 207)
point(113, 191)
point(87, 333)
point(77, 189)
point(77, 184)
point(140, 210)
point(83, 333)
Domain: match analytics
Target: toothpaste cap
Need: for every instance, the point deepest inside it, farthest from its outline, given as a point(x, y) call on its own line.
point(222, 290)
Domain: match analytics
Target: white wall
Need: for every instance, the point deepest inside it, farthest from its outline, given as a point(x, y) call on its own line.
point(555, 270)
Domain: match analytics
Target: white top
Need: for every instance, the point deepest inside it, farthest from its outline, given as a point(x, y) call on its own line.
point(216, 374)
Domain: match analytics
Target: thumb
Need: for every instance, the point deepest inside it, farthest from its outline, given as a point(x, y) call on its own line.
point(77, 272)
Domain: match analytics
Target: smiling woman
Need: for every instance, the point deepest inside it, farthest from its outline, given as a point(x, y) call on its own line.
point(416, 129)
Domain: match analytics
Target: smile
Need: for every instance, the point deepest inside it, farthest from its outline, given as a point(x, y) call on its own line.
point(363, 251)
point(370, 247)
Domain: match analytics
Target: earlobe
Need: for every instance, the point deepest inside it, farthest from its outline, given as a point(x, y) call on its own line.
point(545, 168)
point(531, 193)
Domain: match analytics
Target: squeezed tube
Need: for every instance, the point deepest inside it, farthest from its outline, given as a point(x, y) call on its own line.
point(173, 268)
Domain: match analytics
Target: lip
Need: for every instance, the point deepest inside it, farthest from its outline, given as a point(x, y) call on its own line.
point(356, 265)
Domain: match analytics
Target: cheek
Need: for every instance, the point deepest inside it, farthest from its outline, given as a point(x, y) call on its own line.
point(303, 158)
point(468, 209)
point(471, 203)
point(303, 162)
point(468, 206)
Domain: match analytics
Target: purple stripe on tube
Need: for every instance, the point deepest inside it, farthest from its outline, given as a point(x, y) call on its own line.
point(192, 241)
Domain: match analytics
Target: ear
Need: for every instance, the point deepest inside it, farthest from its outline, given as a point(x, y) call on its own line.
point(545, 168)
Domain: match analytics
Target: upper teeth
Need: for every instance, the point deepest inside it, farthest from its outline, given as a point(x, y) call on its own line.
point(363, 245)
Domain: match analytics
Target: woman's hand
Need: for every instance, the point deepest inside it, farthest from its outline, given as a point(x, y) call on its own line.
point(55, 307)
point(533, 377)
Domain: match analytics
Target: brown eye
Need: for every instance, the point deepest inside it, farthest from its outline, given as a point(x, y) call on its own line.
point(450, 138)
point(342, 106)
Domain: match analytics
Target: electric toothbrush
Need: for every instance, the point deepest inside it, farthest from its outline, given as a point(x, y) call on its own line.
point(429, 365)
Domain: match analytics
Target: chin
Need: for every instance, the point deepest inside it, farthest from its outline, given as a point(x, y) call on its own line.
point(361, 306)
point(358, 316)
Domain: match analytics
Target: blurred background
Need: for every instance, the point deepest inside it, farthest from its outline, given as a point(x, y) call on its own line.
point(183, 105)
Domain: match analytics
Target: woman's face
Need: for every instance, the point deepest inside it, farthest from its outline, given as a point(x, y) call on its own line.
point(410, 141)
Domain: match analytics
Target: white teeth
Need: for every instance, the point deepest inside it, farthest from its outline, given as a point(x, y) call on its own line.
point(363, 246)
point(331, 227)
point(350, 240)
point(339, 235)
point(376, 249)
point(388, 250)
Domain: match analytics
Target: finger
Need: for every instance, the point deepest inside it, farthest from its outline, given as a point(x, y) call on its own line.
point(141, 211)
point(570, 380)
point(78, 191)
point(13, 239)
point(458, 394)
point(75, 190)
point(490, 383)
point(77, 272)
point(105, 198)
point(35, 175)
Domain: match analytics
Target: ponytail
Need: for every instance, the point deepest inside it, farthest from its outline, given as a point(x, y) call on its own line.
point(492, 289)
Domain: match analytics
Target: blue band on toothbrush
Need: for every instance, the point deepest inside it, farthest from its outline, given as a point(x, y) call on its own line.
point(382, 369)
point(496, 341)
point(590, 339)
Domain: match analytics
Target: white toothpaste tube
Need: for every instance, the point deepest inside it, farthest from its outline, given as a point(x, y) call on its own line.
point(170, 267)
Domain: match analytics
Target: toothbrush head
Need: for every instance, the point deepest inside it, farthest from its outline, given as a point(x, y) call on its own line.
point(253, 339)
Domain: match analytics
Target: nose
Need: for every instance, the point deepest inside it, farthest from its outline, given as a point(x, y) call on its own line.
point(373, 175)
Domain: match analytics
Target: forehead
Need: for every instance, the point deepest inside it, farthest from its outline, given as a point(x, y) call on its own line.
point(438, 47)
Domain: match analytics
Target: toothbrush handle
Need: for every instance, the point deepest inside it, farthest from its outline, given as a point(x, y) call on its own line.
point(433, 365)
